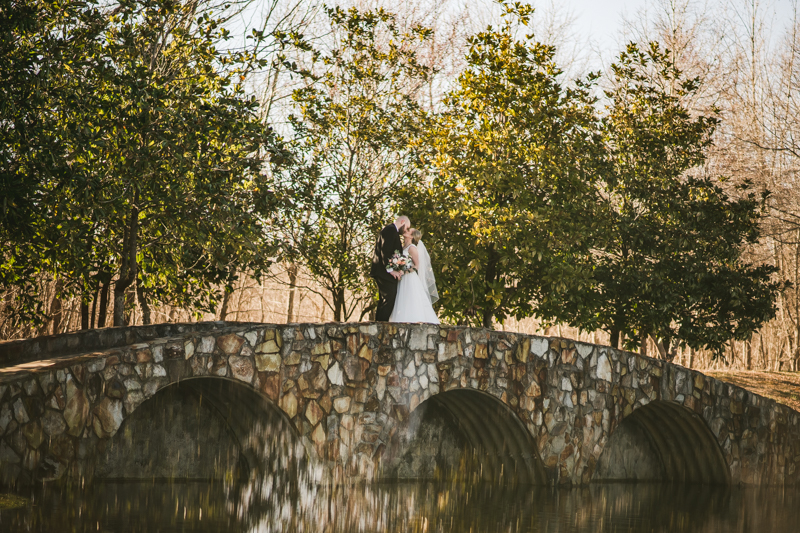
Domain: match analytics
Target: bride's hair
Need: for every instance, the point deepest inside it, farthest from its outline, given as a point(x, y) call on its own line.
point(416, 235)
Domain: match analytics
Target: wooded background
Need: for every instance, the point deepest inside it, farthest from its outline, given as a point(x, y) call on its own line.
point(279, 93)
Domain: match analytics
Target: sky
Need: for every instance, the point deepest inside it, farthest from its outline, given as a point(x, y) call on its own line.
point(602, 19)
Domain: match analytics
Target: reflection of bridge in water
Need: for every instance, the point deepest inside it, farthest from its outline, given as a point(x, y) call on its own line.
point(362, 401)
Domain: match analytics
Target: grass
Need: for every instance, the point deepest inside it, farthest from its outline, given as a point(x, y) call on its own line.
point(783, 387)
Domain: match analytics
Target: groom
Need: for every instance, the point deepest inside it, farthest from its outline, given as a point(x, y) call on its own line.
point(386, 245)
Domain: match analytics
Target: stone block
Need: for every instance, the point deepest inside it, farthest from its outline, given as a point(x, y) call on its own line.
point(410, 370)
point(188, 349)
point(289, 404)
point(380, 387)
point(206, 345)
point(335, 374)
point(107, 417)
point(584, 350)
point(342, 404)
point(294, 358)
point(318, 436)
point(321, 348)
point(325, 402)
point(419, 339)
point(6, 417)
point(603, 368)
point(481, 351)
point(76, 411)
point(447, 351)
point(539, 346)
point(230, 344)
point(33, 434)
point(268, 362)
point(269, 346)
point(144, 356)
point(252, 338)
point(132, 400)
point(365, 352)
point(371, 329)
point(241, 368)
point(270, 384)
point(20, 412)
point(96, 366)
point(523, 350)
point(314, 412)
point(355, 368)
point(323, 360)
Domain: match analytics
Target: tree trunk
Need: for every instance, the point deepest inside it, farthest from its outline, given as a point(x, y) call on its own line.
point(796, 303)
point(130, 305)
point(643, 342)
point(94, 307)
point(141, 295)
point(489, 277)
point(292, 270)
point(615, 337)
point(55, 307)
point(101, 317)
point(85, 310)
point(488, 314)
point(663, 346)
point(128, 267)
point(226, 297)
point(338, 304)
point(748, 363)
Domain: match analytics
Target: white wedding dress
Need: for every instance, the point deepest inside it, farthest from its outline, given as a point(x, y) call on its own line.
point(416, 292)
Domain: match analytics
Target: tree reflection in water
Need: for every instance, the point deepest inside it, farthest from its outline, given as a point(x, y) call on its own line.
point(407, 507)
point(285, 489)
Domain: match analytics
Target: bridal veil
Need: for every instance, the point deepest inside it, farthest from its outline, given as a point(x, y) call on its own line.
point(425, 272)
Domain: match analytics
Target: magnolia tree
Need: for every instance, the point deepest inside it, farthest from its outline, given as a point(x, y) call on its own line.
point(509, 210)
point(142, 162)
point(672, 265)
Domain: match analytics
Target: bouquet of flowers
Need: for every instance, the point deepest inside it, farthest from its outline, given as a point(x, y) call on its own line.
point(401, 263)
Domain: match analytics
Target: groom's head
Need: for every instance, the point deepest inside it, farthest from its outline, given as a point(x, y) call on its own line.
point(402, 223)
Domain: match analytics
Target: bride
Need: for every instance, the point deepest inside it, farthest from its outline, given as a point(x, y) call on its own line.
point(416, 291)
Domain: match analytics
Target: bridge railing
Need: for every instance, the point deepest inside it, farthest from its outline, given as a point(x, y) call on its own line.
point(16, 352)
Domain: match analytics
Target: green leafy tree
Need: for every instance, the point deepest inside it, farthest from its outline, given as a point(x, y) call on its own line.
point(160, 154)
point(355, 125)
point(509, 211)
point(43, 47)
point(672, 267)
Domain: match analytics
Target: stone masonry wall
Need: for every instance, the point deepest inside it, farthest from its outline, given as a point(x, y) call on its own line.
point(349, 388)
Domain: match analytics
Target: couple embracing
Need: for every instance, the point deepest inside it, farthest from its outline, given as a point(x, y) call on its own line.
point(403, 273)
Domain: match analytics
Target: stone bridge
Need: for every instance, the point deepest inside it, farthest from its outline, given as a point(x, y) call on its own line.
point(375, 400)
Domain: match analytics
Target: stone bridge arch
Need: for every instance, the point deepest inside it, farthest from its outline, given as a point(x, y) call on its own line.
point(663, 441)
point(350, 390)
point(466, 434)
point(202, 428)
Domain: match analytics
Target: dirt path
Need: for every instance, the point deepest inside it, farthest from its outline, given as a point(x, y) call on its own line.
point(783, 387)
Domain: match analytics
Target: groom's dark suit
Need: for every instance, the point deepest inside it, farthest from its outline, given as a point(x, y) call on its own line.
point(386, 245)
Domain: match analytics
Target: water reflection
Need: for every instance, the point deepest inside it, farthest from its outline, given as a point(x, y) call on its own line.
point(420, 508)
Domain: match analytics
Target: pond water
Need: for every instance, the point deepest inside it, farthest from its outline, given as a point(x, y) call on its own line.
point(406, 507)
